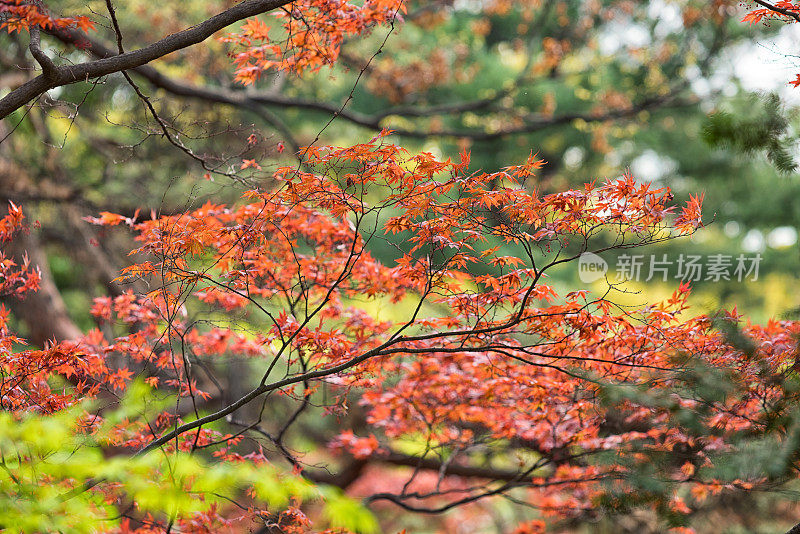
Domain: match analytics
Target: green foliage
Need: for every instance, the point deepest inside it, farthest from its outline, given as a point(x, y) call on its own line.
point(53, 474)
point(765, 128)
point(347, 513)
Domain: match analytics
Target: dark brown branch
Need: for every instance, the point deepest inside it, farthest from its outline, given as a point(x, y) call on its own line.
point(353, 469)
point(48, 67)
point(432, 464)
point(776, 9)
point(66, 75)
point(265, 388)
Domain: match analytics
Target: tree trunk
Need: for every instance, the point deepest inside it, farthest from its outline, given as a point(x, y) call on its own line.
point(43, 312)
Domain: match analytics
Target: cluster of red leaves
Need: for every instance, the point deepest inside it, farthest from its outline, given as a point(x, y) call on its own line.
point(298, 256)
point(783, 10)
point(505, 360)
point(453, 398)
point(21, 15)
point(24, 375)
point(14, 279)
point(312, 34)
point(358, 447)
point(63, 374)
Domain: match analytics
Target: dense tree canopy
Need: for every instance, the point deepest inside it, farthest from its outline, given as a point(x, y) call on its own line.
point(296, 266)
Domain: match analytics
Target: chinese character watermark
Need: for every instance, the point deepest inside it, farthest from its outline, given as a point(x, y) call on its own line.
point(686, 267)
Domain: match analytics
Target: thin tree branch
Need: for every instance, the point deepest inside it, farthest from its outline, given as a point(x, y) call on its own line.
point(776, 9)
point(173, 140)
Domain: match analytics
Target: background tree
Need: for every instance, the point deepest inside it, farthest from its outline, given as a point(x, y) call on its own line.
point(341, 228)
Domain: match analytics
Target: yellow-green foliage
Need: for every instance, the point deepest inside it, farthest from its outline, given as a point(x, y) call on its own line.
point(52, 473)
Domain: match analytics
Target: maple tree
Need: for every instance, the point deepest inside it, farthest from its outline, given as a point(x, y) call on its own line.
point(487, 383)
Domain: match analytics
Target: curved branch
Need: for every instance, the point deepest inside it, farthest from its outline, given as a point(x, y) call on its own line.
point(785, 12)
point(94, 69)
point(48, 67)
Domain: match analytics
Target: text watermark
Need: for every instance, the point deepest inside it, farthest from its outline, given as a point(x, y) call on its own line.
point(684, 267)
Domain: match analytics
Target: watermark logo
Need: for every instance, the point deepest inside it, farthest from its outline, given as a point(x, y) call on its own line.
point(591, 267)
